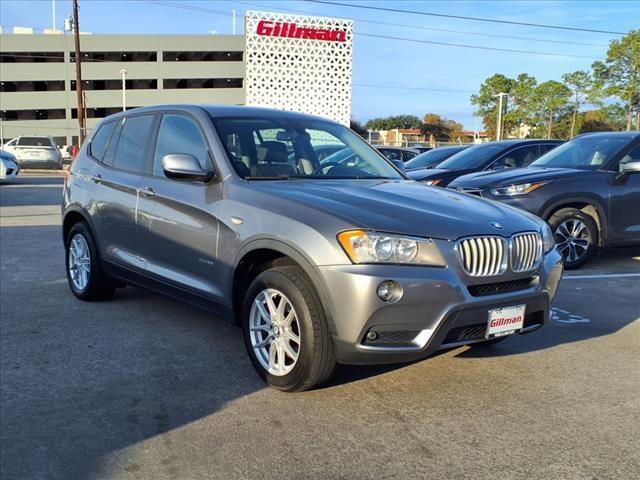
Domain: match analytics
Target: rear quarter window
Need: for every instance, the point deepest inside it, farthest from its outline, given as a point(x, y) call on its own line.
point(100, 140)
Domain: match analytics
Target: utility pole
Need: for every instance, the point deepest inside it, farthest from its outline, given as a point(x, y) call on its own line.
point(80, 107)
point(499, 124)
point(124, 89)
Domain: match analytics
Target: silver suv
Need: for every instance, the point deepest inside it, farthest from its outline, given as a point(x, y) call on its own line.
point(321, 262)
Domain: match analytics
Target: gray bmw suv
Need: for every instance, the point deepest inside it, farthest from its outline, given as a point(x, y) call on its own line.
point(320, 262)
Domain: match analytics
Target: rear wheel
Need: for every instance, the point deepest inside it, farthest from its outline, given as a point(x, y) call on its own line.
point(576, 236)
point(285, 330)
point(85, 274)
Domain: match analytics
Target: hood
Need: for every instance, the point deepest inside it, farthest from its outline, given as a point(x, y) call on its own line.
point(512, 176)
point(400, 206)
point(445, 176)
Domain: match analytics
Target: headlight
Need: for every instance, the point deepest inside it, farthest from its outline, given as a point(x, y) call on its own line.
point(548, 239)
point(433, 181)
point(378, 247)
point(513, 190)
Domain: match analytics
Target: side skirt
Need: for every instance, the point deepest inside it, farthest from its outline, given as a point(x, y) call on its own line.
point(169, 289)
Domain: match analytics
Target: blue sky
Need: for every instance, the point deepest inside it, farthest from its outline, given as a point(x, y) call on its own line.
point(389, 62)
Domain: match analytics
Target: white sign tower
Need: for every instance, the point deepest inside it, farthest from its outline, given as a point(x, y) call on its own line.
point(299, 63)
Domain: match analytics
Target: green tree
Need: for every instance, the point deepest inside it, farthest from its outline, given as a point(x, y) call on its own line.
point(619, 75)
point(434, 127)
point(487, 102)
point(454, 130)
point(393, 122)
point(522, 92)
point(580, 83)
point(357, 127)
point(547, 101)
point(438, 128)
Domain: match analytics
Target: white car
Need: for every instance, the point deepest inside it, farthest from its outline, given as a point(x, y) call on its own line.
point(35, 151)
point(9, 167)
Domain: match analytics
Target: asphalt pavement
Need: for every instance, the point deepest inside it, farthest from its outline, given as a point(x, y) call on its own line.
point(143, 387)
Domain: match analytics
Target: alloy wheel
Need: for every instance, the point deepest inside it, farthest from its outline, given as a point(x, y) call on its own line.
point(79, 262)
point(572, 239)
point(274, 332)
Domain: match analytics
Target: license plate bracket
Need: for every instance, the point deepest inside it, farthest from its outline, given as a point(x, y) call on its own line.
point(505, 321)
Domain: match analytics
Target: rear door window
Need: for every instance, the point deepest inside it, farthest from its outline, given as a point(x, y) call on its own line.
point(545, 147)
point(517, 158)
point(409, 155)
point(100, 140)
point(131, 150)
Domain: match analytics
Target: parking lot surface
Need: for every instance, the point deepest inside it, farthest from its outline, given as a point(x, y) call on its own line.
point(143, 387)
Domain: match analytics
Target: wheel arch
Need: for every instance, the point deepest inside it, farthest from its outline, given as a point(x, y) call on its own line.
point(589, 206)
point(260, 254)
point(72, 216)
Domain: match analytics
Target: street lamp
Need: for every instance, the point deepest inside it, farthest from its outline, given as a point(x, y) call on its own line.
point(124, 89)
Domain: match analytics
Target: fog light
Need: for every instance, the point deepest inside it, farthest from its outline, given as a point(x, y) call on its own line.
point(371, 335)
point(389, 291)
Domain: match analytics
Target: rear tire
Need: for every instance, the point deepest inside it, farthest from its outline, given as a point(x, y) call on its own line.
point(285, 330)
point(85, 274)
point(576, 236)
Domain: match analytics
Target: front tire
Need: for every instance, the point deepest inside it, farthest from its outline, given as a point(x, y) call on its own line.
point(285, 330)
point(85, 274)
point(576, 236)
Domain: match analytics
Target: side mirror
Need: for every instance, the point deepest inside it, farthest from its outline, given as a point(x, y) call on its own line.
point(183, 166)
point(399, 164)
point(631, 167)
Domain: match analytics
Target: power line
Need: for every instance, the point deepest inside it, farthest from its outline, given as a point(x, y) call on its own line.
point(477, 47)
point(461, 17)
point(399, 87)
point(444, 30)
point(430, 42)
point(189, 7)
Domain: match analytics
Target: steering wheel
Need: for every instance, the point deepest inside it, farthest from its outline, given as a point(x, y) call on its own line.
point(326, 165)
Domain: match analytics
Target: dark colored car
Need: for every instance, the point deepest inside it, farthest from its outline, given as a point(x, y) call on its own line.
point(588, 190)
point(486, 156)
point(433, 157)
point(403, 154)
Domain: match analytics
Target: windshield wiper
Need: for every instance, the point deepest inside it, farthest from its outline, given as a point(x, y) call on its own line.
point(274, 177)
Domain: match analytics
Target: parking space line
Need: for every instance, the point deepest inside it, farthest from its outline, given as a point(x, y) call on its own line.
point(604, 275)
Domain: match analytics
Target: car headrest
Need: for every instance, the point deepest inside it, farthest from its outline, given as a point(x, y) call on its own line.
point(272, 152)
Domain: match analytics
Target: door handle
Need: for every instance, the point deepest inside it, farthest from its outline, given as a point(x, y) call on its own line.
point(97, 178)
point(146, 191)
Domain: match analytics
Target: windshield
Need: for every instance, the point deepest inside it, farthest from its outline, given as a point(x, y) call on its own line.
point(35, 142)
point(473, 157)
point(432, 157)
point(274, 149)
point(583, 153)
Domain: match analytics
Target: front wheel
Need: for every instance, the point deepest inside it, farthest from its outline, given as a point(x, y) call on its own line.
point(576, 236)
point(285, 330)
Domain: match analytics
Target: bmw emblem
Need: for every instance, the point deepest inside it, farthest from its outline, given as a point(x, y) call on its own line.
point(496, 225)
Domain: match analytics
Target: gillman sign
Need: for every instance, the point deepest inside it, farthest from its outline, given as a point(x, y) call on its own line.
point(291, 30)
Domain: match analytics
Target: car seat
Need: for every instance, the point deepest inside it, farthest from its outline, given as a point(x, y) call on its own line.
point(272, 160)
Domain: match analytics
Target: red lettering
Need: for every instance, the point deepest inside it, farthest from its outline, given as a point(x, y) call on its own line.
point(291, 30)
point(265, 28)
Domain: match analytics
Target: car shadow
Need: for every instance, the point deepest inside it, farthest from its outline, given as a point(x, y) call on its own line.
point(82, 381)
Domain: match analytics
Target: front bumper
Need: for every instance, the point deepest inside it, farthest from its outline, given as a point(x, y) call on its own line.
point(439, 308)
